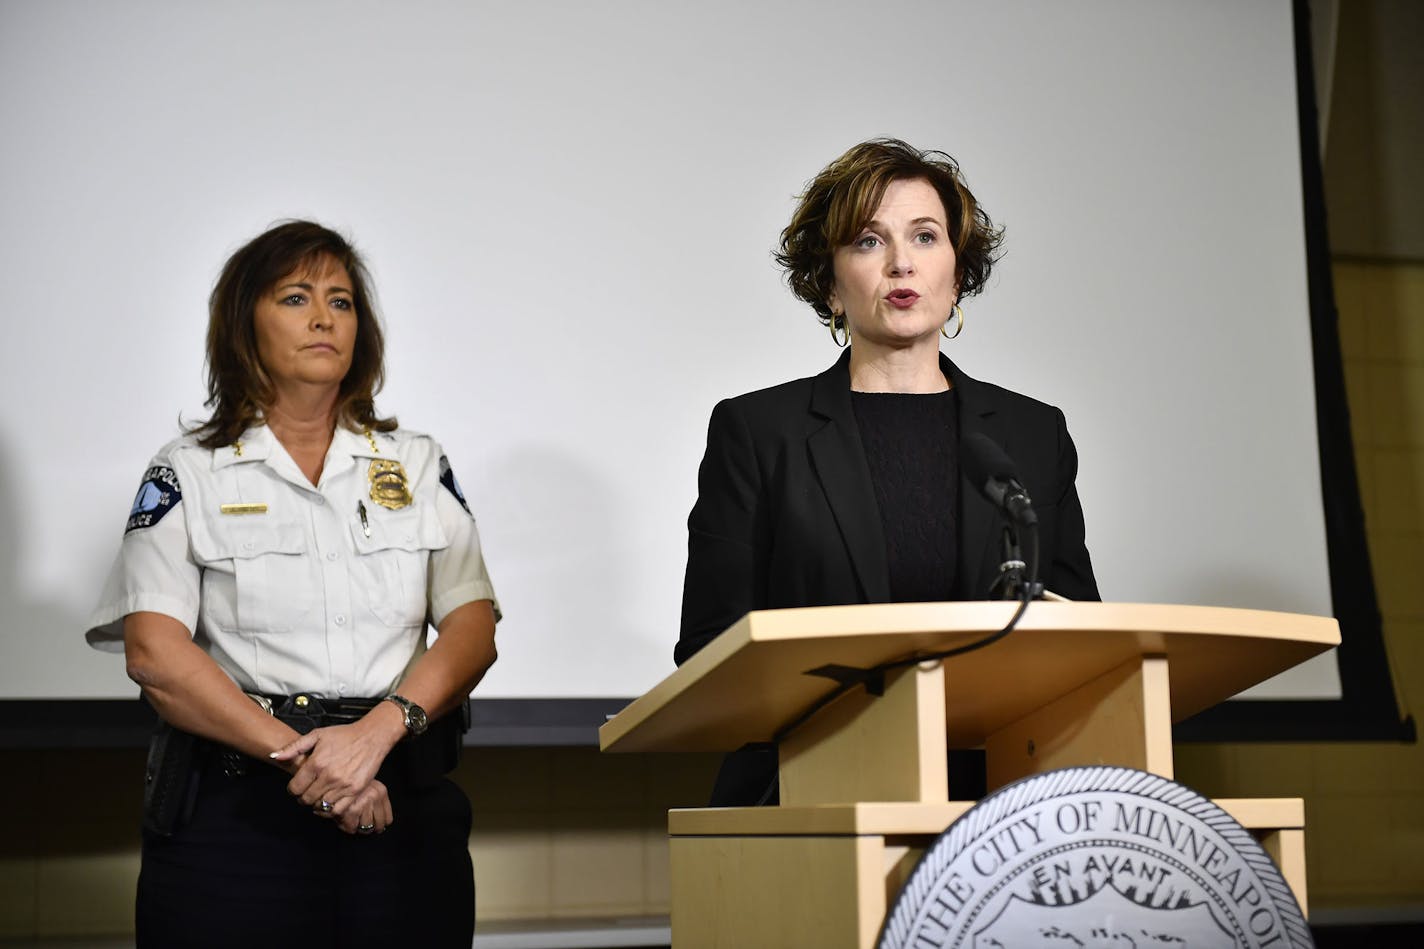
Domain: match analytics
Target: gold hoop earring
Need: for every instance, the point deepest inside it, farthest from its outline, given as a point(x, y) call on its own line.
point(959, 324)
point(838, 322)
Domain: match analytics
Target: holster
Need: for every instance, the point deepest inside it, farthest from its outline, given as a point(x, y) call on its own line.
point(170, 779)
point(435, 754)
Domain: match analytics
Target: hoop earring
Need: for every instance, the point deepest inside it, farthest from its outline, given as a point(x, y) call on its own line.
point(959, 324)
point(838, 322)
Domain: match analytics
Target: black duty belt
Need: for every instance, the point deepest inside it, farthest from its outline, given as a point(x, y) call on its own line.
point(305, 711)
point(177, 760)
point(421, 759)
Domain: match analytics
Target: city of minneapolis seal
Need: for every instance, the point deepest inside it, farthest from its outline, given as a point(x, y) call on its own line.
point(1095, 856)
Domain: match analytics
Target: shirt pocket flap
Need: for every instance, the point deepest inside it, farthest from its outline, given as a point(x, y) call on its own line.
point(244, 540)
point(415, 528)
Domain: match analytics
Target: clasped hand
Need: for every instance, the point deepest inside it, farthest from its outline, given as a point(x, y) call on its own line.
point(336, 775)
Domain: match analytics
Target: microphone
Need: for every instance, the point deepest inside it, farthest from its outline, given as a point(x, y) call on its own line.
point(993, 473)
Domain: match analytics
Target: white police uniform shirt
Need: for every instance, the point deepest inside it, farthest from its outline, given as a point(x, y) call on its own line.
point(294, 587)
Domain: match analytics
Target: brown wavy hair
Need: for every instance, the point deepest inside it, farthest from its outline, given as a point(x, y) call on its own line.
point(841, 200)
point(239, 389)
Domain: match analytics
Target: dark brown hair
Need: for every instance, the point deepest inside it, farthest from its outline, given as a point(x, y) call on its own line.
point(239, 389)
point(842, 199)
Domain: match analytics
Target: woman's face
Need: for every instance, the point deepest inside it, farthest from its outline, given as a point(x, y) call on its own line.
point(896, 282)
point(306, 327)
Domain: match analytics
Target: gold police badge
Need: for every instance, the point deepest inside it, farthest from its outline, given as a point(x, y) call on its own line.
point(389, 486)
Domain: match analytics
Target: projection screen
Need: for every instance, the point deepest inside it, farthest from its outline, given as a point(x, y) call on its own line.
point(569, 210)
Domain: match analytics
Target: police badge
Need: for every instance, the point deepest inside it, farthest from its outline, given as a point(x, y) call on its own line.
point(389, 486)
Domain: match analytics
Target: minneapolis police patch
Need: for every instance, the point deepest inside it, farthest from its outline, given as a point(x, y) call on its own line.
point(1095, 856)
point(447, 478)
point(158, 495)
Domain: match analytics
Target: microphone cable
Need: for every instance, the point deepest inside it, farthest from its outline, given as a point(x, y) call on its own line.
point(873, 678)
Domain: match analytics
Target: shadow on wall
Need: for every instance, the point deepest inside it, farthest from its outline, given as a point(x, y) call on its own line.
point(45, 652)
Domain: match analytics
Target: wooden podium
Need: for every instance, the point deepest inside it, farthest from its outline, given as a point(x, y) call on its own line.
point(863, 781)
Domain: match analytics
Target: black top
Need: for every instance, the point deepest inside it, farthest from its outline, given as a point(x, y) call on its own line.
point(786, 510)
point(911, 449)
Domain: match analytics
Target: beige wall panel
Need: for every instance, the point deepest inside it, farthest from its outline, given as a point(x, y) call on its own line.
point(513, 868)
point(1351, 285)
point(1406, 842)
point(1386, 768)
point(1405, 638)
point(1396, 393)
point(583, 779)
point(1276, 770)
point(1396, 330)
point(1349, 833)
point(657, 867)
point(597, 860)
point(1398, 496)
point(1399, 574)
point(19, 896)
point(505, 779)
point(87, 893)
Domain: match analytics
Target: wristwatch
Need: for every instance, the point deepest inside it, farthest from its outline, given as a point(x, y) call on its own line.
point(416, 720)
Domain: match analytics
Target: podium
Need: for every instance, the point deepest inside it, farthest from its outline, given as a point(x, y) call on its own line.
point(864, 779)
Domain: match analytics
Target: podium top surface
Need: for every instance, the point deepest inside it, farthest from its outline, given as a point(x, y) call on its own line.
point(752, 679)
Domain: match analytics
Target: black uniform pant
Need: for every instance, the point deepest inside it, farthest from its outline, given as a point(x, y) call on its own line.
point(253, 865)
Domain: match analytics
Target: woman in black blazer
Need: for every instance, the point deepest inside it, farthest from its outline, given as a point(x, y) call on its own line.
point(846, 487)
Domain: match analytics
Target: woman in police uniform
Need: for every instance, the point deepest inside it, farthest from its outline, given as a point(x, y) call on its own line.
point(278, 570)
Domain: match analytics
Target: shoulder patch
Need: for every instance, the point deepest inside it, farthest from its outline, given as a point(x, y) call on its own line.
point(158, 495)
point(447, 478)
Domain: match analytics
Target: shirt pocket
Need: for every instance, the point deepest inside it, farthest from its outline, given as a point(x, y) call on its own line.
point(392, 559)
point(270, 569)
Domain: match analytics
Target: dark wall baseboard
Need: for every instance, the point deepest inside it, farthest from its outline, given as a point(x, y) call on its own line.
point(126, 723)
point(572, 723)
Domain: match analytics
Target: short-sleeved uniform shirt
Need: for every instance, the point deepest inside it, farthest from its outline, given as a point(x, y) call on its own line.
point(296, 587)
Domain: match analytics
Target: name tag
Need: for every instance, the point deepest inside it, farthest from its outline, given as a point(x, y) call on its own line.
point(243, 509)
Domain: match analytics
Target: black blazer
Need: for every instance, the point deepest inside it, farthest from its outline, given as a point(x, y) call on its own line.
point(786, 515)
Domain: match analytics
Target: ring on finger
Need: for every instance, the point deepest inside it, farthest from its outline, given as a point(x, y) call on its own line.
point(324, 806)
point(366, 829)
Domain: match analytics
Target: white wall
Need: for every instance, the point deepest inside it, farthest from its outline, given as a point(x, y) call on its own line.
point(569, 210)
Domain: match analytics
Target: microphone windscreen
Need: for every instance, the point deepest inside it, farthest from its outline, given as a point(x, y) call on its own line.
point(985, 461)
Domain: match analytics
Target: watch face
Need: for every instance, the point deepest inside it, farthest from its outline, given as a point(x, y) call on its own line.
point(415, 719)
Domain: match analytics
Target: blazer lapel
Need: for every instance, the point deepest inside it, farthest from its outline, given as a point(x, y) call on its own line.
point(839, 462)
point(980, 526)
